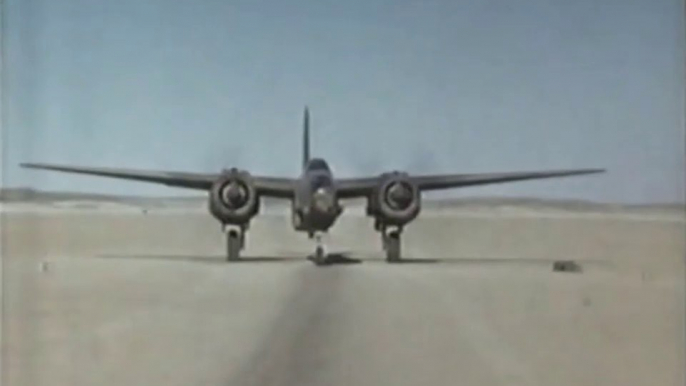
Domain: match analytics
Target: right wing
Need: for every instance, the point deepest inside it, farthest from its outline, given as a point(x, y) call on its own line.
point(267, 186)
point(447, 181)
point(359, 187)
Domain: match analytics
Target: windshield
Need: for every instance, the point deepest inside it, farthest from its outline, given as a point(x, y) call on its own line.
point(321, 180)
point(318, 164)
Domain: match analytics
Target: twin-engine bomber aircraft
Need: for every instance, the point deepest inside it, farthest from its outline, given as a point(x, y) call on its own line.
point(393, 198)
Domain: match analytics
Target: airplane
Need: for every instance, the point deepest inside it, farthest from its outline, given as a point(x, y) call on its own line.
point(393, 198)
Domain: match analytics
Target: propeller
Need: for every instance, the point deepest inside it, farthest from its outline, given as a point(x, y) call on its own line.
point(235, 194)
point(399, 195)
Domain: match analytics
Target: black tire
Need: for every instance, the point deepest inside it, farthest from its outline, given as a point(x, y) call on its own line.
point(393, 247)
point(233, 246)
point(319, 255)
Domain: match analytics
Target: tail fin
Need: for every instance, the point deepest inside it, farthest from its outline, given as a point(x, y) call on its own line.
point(306, 137)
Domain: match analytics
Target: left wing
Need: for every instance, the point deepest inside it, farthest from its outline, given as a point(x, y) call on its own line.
point(267, 186)
point(358, 187)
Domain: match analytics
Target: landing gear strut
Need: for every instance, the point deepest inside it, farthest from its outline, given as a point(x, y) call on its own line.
point(235, 242)
point(390, 238)
point(320, 250)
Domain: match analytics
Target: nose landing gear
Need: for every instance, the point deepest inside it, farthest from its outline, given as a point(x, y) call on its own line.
point(320, 255)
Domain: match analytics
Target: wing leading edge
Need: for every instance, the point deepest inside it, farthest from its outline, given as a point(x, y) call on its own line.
point(269, 186)
point(282, 187)
point(356, 187)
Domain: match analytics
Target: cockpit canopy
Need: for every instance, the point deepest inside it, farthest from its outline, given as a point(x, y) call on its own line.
point(317, 164)
point(321, 181)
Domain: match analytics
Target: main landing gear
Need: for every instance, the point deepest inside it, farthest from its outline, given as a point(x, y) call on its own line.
point(235, 241)
point(390, 239)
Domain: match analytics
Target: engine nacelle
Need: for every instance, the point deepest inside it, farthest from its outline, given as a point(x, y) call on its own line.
point(233, 198)
point(396, 201)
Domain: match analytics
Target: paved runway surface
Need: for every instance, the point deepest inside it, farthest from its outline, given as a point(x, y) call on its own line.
point(115, 299)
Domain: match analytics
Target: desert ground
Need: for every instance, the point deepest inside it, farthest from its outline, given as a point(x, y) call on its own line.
point(112, 296)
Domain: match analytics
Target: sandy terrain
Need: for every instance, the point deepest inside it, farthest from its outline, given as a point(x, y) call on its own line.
point(122, 298)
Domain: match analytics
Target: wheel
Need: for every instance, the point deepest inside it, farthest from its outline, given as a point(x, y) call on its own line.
point(319, 255)
point(297, 219)
point(233, 246)
point(392, 246)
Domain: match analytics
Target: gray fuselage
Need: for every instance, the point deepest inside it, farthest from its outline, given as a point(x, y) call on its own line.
point(315, 205)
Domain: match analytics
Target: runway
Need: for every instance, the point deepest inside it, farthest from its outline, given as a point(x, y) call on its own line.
point(126, 298)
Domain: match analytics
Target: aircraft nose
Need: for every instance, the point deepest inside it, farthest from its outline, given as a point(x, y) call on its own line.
point(323, 200)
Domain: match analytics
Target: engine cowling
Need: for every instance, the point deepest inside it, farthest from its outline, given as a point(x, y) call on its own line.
point(396, 201)
point(233, 198)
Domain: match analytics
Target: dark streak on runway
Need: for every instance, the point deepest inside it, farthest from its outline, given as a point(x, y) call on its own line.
point(293, 351)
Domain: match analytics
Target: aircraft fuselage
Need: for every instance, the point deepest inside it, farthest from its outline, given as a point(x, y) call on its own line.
point(315, 206)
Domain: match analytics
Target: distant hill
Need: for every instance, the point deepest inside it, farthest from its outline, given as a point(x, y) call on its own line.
point(566, 204)
point(514, 201)
point(34, 195)
point(41, 196)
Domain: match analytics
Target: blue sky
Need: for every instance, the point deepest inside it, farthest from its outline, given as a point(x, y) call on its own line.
point(428, 86)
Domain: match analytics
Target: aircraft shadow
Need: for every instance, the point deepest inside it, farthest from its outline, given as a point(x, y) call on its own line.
point(476, 261)
point(332, 259)
point(345, 259)
point(203, 258)
point(335, 259)
point(470, 260)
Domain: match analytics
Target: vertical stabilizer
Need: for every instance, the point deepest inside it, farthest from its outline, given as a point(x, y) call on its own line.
point(306, 137)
